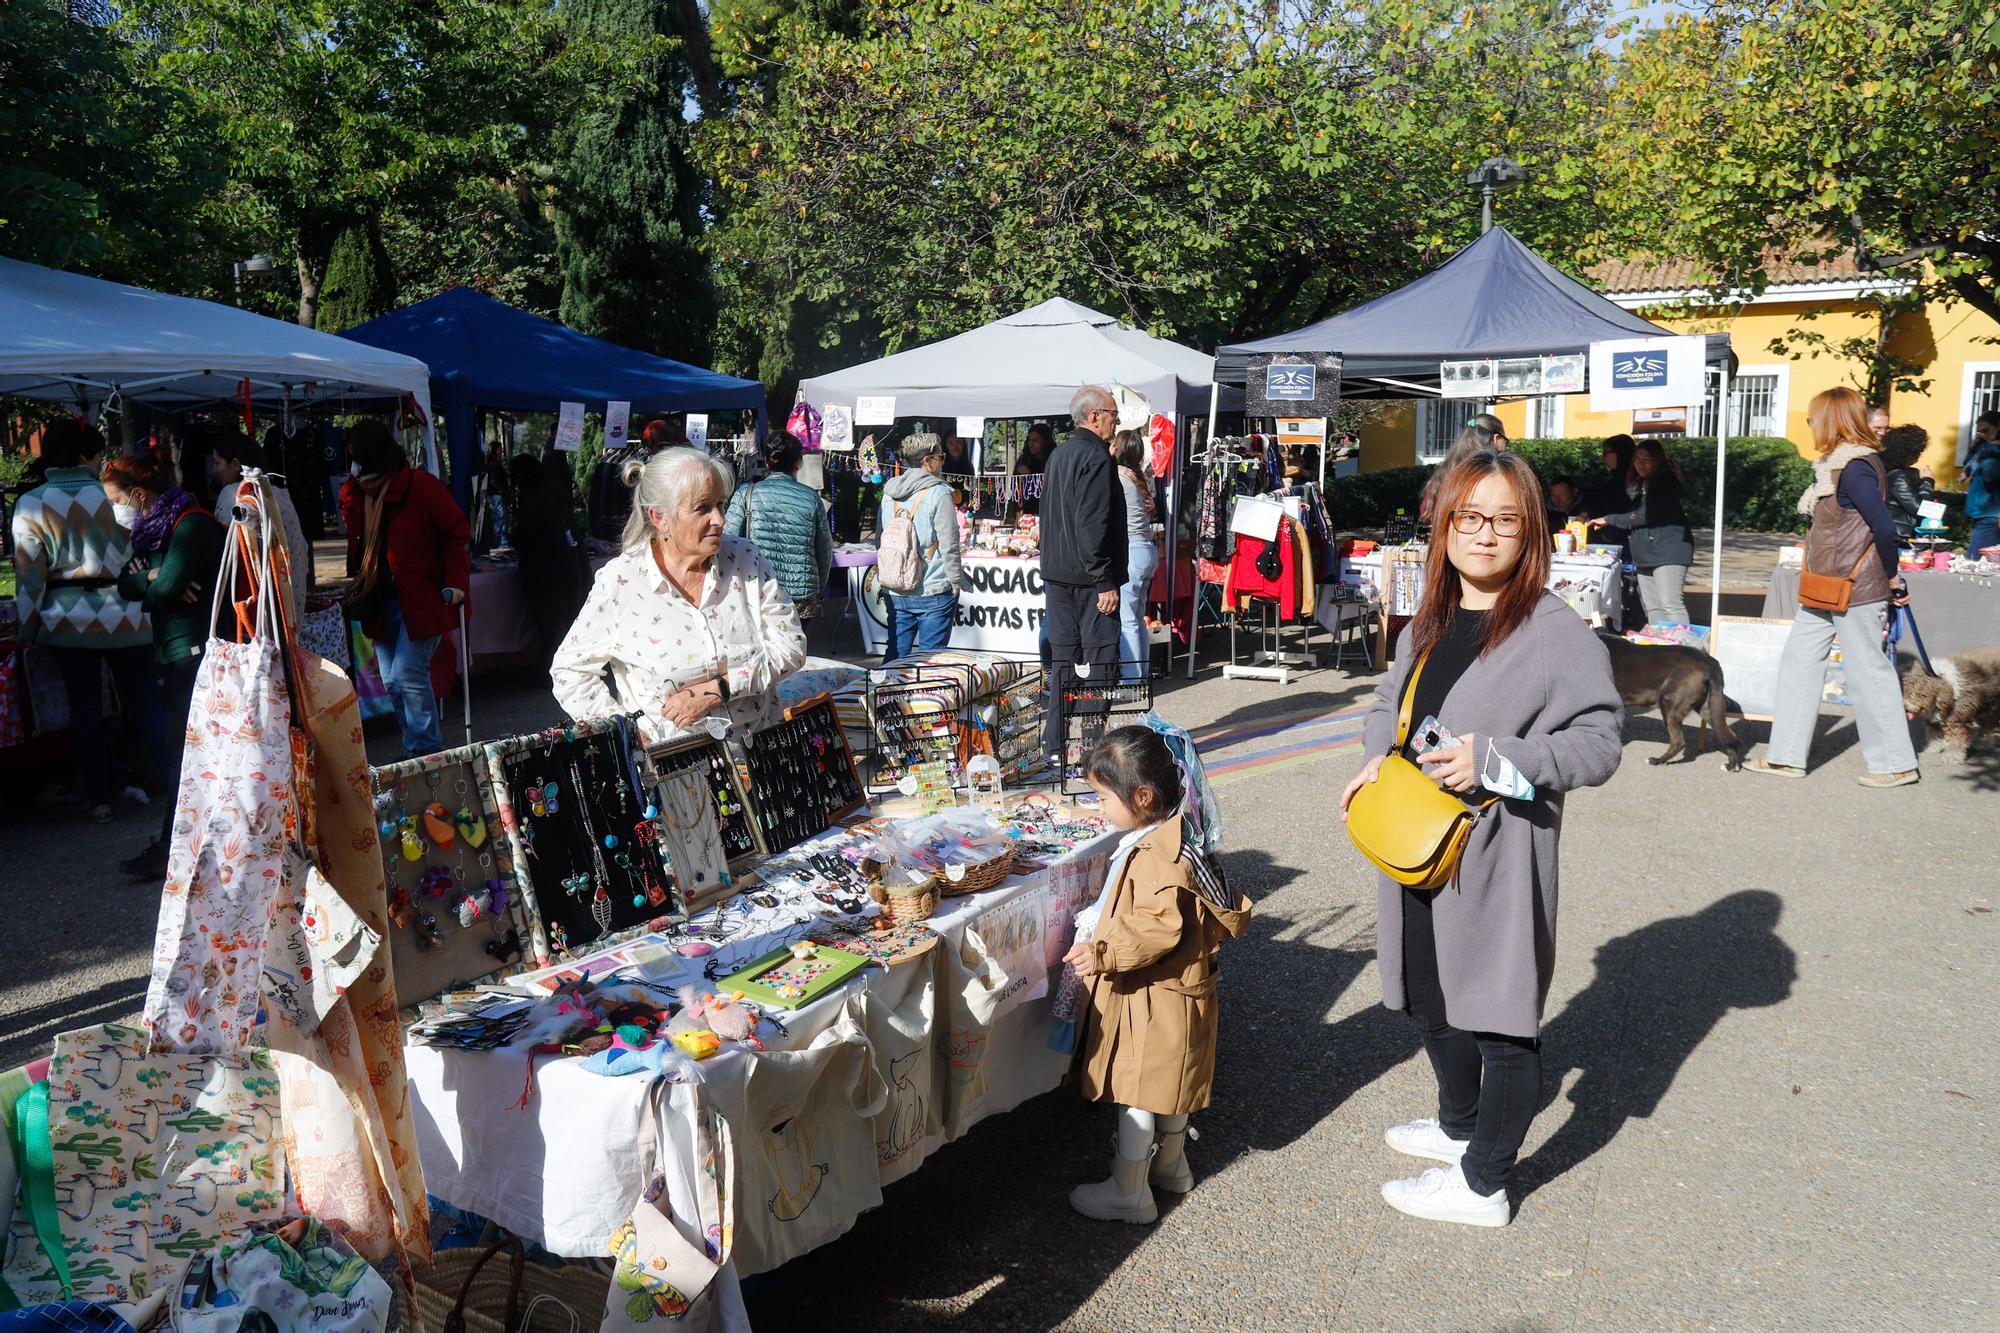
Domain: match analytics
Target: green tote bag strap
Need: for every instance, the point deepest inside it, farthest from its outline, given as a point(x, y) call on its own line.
point(37, 1161)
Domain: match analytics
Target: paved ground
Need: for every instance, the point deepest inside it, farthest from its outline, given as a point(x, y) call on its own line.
point(1771, 1071)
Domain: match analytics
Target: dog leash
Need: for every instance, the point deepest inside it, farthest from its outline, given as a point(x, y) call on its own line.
point(1896, 633)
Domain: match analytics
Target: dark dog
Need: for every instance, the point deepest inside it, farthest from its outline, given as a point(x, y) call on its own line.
point(1963, 697)
point(1681, 681)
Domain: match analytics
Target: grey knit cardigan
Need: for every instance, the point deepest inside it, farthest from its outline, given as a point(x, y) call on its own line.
point(1546, 698)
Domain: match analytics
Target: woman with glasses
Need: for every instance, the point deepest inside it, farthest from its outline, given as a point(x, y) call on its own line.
point(1512, 705)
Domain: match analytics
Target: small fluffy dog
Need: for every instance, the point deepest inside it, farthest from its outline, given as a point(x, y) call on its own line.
point(1681, 681)
point(1963, 697)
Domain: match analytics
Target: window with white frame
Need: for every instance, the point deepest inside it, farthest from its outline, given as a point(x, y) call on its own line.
point(1756, 405)
point(1545, 417)
point(1439, 420)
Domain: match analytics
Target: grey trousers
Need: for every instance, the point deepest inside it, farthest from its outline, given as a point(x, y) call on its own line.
point(1872, 688)
point(1660, 594)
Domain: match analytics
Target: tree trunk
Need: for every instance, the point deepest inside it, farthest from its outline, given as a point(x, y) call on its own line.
point(309, 279)
point(700, 58)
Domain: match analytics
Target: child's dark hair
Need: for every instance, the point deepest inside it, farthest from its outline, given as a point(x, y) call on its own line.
point(1131, 760)
point(1902, 446)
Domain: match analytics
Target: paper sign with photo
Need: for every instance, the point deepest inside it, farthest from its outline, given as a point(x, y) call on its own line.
point(617, 420)
point(1563, 374)
point(569, 427)
point(836, 427)
point(1466, 379)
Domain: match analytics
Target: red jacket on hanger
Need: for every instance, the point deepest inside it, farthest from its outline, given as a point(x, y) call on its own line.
point(1247, 581)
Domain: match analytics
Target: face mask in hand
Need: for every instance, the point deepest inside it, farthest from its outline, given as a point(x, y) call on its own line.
point(124, 515)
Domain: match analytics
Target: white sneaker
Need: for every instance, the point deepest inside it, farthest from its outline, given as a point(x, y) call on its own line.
point(1425, 1138)
point(1441, 1195)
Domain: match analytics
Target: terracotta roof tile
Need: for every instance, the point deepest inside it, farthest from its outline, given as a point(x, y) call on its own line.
point(1620, 276)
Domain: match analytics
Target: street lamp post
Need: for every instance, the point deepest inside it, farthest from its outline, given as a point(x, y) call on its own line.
point(254, 265)
point(1492, 176)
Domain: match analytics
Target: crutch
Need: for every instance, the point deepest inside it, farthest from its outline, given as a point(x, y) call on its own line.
point(465, 669)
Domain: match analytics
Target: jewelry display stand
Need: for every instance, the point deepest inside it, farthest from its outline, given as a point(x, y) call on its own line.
point(587, 854)
point(741, 841)
point(802, 775)
point(1090, 707)
point(436, 944)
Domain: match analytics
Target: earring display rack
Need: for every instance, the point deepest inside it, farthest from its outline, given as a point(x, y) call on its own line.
point(943, 712)
point(436, 944)
point(1090, 707)
point(1017, 712)
point(802, 775)
point(587, 854)
point(741, 840)
point(916, 722)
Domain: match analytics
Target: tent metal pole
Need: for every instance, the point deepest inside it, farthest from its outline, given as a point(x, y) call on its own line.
point(1194, 608)
point(1721, 452)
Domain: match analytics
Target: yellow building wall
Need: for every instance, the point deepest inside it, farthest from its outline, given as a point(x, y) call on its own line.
point(1946, 341)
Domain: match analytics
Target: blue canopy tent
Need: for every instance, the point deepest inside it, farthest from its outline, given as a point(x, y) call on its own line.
point(486, 353)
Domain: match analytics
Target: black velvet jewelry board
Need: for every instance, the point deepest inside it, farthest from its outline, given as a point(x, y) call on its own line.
point(802, 775)
point(561, 838)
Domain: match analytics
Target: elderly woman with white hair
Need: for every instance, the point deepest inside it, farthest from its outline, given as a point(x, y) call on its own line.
point(684, 622)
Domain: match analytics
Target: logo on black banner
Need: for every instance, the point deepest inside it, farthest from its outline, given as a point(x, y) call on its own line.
point(1291, 383)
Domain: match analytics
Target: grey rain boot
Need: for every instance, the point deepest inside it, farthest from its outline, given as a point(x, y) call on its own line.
point(1125, 1197)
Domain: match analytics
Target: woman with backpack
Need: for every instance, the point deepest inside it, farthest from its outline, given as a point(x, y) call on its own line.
point(1657, 534)
point(918, 562)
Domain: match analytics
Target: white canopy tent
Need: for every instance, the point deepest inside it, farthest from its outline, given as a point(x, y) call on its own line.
point(89, 343)
point(1027, 364)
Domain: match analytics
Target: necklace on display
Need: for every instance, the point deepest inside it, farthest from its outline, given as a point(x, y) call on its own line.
point(600, 901)
point(695, 841)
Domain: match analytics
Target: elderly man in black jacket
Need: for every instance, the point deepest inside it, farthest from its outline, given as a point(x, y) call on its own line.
point(1084, 555)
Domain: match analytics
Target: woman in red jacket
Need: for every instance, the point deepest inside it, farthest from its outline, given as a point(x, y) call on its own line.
point(408, 548)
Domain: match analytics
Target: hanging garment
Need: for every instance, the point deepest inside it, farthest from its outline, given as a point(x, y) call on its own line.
point(1213, 540)
point(227, 858)
point(1303, 550)
point(1248, 581)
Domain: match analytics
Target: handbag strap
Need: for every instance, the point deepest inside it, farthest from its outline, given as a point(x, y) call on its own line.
point(37, 1160)
point(1409, 698)
point(455, 1321)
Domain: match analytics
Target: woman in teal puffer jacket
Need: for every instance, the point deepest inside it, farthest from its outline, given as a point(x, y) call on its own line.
point(785, 519)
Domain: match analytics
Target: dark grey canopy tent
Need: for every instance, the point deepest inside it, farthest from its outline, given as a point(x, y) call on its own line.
point(1495, 298)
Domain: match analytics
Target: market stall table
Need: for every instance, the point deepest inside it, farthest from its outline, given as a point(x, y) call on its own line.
point(1954, 611)
point(862, 1085)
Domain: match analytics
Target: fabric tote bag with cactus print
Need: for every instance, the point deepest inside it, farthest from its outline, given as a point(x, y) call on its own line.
point(228, 846)
point(154, 1158)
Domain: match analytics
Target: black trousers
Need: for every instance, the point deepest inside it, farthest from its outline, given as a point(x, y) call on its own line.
point(1074, 633)
point(1489, 1084)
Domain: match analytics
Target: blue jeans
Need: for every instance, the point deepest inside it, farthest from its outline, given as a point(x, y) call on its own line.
point(920, 624)
point(138, 683)
point(1985, 533)
point(1135, 645)
point(405, 664)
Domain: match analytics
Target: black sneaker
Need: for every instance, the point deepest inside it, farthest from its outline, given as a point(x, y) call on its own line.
point(149, 864)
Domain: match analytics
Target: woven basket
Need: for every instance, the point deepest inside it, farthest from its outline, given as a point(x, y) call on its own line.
point(979, 878)
point(448, 1304)
point(913, 902)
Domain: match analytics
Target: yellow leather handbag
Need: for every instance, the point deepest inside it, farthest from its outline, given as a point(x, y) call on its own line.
point(1410, 827)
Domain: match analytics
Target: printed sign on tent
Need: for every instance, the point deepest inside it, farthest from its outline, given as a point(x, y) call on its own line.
point(1563, 374)
point(836, 427)
point(617, 420)
point(1632, 373)
point(1466, 379)
point(1292, 384)
point(698, 430)
point(875, 410)
point(569, 427)
point(970, 428)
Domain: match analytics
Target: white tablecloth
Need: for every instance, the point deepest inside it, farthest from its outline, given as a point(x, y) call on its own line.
point(870, 1080)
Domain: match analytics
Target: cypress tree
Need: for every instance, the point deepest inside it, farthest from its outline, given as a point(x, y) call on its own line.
point(628, 207)
point(360, 282)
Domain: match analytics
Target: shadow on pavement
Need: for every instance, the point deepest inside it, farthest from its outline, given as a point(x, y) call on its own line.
point(1658, 993)
point(965, 1242)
